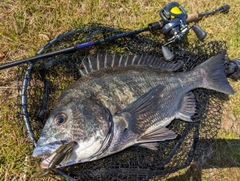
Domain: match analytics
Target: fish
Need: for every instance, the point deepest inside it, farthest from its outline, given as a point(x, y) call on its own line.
point(122, 101)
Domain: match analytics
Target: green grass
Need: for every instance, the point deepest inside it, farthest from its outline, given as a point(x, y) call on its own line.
point(25, 26)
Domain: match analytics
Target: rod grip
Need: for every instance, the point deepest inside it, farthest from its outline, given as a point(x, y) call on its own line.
point(225, 8)
point(192, 17)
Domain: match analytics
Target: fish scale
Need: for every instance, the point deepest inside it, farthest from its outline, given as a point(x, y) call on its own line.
point(124, 89)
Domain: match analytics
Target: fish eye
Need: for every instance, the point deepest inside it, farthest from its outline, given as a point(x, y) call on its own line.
point(60, 118)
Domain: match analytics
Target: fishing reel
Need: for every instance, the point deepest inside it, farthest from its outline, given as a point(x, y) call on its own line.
point(175, 21)
point(174, 25)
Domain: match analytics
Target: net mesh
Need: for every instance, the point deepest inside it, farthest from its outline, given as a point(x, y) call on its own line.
point(41, 83)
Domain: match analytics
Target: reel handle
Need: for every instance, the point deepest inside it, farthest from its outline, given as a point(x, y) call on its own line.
point(200, 33)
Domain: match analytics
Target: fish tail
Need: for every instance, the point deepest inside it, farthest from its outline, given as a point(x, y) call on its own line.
point(214, 76)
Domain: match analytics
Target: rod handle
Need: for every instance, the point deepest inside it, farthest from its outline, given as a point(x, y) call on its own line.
point(192, 17)
point(224, 8)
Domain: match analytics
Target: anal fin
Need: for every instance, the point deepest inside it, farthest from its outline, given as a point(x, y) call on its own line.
point(188, 107)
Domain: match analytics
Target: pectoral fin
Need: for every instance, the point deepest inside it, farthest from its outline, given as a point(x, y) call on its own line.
point(143, 112)
point(142, 117)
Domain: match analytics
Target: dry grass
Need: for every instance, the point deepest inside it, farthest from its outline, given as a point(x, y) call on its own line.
point(25, 26)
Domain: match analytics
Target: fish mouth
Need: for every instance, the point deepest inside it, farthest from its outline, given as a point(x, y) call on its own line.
point(45, 164)
point(53, 154)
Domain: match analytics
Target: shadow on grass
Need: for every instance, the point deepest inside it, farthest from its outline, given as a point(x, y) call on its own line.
point(225, 154)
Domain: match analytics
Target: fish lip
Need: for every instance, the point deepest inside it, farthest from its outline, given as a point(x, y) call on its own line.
point(45, 163)
point(47, 153)
point(44, 151)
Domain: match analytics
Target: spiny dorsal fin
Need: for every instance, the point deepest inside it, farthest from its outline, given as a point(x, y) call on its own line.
point(135, 60)
point(92, 64)
point(86, 66)
point(120, 62)
point(116, 60)
point(100, 61)
point(82, 72)
point(107, 60)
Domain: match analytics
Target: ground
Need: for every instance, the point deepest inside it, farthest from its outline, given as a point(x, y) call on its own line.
point(25, 26)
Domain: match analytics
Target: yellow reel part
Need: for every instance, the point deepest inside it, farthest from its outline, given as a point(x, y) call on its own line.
point(175, 10)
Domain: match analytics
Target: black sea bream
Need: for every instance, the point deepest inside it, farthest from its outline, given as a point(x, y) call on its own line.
point(121, 101)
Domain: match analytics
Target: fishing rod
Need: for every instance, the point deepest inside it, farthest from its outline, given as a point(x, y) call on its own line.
point(173, 24)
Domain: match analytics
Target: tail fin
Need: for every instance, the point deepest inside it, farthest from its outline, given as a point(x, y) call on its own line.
point(215, 76)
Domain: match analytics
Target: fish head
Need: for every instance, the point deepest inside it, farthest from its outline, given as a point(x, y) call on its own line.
point(82, 121)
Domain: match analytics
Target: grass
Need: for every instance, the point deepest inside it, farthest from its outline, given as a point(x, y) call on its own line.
point(25, 26)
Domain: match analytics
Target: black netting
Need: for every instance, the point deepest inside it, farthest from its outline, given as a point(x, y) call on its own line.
point(40, 85)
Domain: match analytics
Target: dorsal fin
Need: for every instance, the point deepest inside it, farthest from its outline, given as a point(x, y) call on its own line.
point(135, 60)
point(107, 60)
point(120, 62)
point(82, 72)
point(92, 63)
point(116, 60)
point(100, 61)
point(86, 66)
